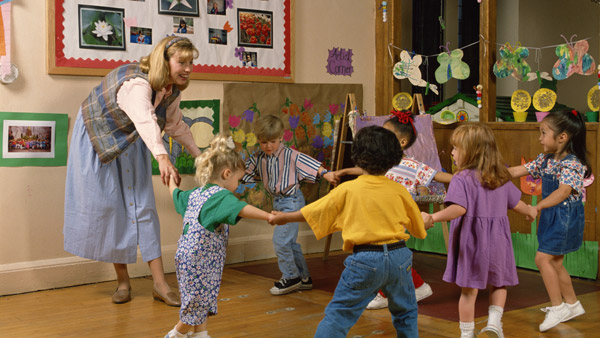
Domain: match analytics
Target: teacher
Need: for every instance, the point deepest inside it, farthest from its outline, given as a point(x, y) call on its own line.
point(109, 198)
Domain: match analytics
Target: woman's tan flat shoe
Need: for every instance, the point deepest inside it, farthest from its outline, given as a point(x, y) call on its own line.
point(121, 296)
point(170, 299)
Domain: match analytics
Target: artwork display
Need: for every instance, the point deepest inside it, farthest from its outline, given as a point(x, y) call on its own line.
point(512, 62)
point(202, 117)
point(573, 59)
point(308, 111)
point(92, 40)
point(451, 66)
point(29, 139)
point(408, 68)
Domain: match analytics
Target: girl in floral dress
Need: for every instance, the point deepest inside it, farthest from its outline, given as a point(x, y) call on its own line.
point(208, 210)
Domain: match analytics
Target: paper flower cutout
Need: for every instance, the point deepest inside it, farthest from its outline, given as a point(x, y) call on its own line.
point(529, 185)
point(451, 66)
point(512, 62)
point(239, 53)
point(573, 58)
point(229, 3)
point(102, 29)
point(408, 68)
point(227, 27)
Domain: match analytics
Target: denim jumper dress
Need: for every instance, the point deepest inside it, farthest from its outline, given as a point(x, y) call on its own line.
point(560, 228)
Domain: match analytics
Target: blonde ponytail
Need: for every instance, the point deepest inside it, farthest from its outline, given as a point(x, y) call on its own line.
point(221, 155)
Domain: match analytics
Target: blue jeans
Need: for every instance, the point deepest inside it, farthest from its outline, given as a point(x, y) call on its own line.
point(364, 275)
point(290, 259)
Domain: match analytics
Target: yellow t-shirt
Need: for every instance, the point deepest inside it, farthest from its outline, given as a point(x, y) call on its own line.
point(367, 210)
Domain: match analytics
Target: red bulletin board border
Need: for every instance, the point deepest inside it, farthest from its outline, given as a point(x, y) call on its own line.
point(58, 64)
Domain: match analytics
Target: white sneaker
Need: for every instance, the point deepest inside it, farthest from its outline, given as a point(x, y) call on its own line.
point(379, 302)
point(467, 334)
point(493, 331)
point(423, 292)
point(554, 315)
point(575, 310)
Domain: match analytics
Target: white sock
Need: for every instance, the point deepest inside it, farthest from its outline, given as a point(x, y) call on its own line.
point(176, 334)
point(202, 334)
point(495, 315)
point(572, 305)
point(466, 326)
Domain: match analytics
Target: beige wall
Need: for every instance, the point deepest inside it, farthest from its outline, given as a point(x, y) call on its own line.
point(31, 198)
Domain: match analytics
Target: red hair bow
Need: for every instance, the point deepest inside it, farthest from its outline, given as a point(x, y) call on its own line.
point(403, 116)
point(574, 112)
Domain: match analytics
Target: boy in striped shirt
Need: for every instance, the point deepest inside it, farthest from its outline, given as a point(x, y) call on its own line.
point(281, 169)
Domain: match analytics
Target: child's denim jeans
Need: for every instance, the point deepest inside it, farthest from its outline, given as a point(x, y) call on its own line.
point(289, 253)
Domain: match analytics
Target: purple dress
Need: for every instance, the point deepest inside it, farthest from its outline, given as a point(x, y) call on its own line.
point(480, 251)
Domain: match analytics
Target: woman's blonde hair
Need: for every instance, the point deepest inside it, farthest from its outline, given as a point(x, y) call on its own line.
point(156, 65)
point(221, 155)
point(481, 153)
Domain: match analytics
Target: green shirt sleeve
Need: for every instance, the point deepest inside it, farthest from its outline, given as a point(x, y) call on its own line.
point(222, 207)
point(180, 199)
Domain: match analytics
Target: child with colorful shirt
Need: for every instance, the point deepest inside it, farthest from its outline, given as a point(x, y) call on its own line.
point(207, 211)
point(372, 212)
point(562, 167)
point(281, 169)
point(412, 174)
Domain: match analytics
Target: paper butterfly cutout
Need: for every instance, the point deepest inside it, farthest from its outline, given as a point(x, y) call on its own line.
point(451, 66)
point(408, 68)
point(543, 75)
point(227, 27)
point(512, 62)
point(529, 185)
point(573, 58)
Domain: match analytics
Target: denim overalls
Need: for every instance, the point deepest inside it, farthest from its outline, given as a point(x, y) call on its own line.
point(560, 229)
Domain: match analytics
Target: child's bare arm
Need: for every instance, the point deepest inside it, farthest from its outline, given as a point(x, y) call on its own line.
point(443, 177)
point(449, 213)
point(172, 185)
point(518, 171)
point(527, 210)
point(555, 197)
point(279, 218)
point(253, 212)
point(349, 171)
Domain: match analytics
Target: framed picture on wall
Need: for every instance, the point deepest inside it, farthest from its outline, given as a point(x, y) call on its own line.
point(33, 139)
point(101, 27)
point(255, 28)
point(178, 7)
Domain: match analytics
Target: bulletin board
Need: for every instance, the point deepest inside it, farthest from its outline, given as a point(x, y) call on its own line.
point(238, 40)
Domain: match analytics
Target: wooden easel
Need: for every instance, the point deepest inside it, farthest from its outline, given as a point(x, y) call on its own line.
point(343, 143)
point(418, 107)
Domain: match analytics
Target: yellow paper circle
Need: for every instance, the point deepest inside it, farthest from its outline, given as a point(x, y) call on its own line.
point(593, 98)
point(520, 100)
point(544, 99)
point(402, 101)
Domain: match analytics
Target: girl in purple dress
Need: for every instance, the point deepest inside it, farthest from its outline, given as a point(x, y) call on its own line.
point(480, 252)
point(208, 210)
point(562, 167)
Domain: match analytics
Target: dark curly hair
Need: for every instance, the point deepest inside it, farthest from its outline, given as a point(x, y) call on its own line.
point(376, 150)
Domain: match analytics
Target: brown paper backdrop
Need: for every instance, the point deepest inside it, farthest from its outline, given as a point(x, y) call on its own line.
point(308, 112)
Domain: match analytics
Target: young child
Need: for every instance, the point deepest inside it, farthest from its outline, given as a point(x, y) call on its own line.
point(411, 174)
point(207, 211)
point(480, 251)
point(372, 212)
point(562, 167)
point(281, 169)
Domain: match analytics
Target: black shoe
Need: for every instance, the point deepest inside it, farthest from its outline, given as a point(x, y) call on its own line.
point(306, 284)
point(285, 286)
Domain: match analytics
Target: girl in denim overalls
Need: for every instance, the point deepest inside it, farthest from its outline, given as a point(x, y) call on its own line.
point(562, 167)
point(207, 211)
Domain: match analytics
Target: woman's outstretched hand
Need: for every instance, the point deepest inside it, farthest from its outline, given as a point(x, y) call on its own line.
point(167, 170)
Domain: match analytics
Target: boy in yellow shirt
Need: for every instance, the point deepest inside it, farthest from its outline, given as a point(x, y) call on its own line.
point(372, 212)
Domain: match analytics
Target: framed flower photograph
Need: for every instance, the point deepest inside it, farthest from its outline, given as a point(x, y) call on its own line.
point(255, 28)
point(178, 7)
point(101, 27)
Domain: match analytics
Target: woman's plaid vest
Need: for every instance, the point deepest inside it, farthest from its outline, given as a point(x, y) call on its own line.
point(109, 128)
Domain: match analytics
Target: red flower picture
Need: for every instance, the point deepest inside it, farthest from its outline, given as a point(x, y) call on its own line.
point(254, 28)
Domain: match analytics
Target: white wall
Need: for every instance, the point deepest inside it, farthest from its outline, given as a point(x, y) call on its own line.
point(31, 198)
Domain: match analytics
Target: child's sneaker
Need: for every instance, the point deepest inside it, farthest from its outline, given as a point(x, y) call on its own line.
point(285, 286)
point(554, 315)
point(493, 331)
point(306, 284)
point(423, 292)
point(175, 334)
point(379, 302)
point(203, 334)
point(575, 310)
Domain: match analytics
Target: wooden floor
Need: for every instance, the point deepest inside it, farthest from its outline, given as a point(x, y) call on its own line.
point(246, 309)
